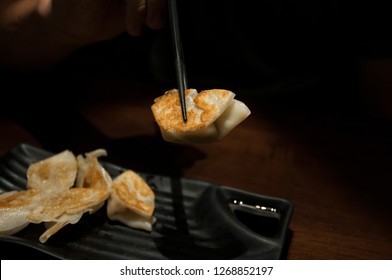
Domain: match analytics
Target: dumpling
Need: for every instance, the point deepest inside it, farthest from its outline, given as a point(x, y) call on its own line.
point(131, 201)
point(211, 115)
point(62, 188)
point(68, 187)
point(92, 188)
point(56, 173)
point(45, 178)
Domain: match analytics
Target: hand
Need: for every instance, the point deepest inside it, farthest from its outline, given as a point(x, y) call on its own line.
point(38, 33)
point(95, 20)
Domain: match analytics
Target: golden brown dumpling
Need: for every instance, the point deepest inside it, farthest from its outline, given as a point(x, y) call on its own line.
point(131, 201)
point(211, 115)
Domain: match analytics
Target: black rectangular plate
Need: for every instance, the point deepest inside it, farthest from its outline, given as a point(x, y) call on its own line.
point(195, 220)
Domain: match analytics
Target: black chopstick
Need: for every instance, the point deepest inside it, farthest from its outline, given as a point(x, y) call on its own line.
point(179, 56)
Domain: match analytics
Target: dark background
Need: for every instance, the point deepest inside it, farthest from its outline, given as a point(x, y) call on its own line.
point(272, 49)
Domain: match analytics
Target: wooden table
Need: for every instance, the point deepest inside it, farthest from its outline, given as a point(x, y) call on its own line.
point(336, 168)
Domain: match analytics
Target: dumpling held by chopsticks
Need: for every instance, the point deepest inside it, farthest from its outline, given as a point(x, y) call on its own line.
point(211, 115)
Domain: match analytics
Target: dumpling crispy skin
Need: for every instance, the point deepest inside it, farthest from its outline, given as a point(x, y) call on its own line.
point(131, 201)
point(211, 115)
point(54, 227)
point(15, 207)
point(74, 201)
point(67, 208)
point(202, 109)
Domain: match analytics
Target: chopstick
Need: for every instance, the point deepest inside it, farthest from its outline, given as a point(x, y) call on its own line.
point(182, 82)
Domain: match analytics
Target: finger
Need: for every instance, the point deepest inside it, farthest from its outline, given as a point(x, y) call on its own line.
point(156, 13)
point(135, 16)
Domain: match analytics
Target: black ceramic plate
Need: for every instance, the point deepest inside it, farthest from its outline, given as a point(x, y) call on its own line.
point(195, 220)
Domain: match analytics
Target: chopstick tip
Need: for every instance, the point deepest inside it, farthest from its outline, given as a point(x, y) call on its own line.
point(184, 117)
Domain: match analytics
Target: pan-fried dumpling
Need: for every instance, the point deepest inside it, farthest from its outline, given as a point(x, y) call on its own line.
point(56, 173)
point(92, 188)
point(45, 178)
point(68, 187)
point(131, 201)
point(211, 115)
point(62, 188)
point(15, 207)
